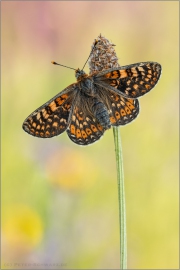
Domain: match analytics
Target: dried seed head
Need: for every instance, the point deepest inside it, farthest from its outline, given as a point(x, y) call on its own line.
point(103, 55)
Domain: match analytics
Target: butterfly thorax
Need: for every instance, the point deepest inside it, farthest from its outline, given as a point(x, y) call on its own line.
point(85, 83)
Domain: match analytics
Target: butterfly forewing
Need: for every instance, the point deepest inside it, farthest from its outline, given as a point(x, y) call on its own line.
point(51, 119)
point(130, 81)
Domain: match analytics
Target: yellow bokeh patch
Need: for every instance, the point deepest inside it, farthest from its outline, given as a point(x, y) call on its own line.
point(22, 227)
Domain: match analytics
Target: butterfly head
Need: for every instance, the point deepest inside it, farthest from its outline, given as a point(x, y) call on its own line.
point(80, 74)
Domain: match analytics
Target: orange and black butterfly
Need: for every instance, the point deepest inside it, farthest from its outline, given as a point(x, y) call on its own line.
point(94, 103)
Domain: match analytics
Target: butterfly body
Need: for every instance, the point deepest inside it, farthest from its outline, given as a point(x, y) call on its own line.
point(94, 103)
point(88, 89)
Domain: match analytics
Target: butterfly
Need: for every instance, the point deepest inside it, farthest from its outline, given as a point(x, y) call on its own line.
point(87, 108)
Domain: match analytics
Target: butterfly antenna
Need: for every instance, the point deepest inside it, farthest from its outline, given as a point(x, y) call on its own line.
point(96, 41)
point(54, 63)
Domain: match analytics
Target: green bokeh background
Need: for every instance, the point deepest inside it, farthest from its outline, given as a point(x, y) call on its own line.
point(59, 200)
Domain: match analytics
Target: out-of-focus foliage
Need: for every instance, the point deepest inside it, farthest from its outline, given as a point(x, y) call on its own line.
point(59, 200)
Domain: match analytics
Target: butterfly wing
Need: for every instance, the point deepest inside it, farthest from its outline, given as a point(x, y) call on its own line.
point(121, 110)
point(130, 81)
point(83, 127)
point(51, 119)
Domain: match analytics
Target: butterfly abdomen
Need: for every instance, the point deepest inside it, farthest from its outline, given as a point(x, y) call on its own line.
point(101, 114)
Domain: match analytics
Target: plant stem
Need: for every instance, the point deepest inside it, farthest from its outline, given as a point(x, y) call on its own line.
point(121, 197)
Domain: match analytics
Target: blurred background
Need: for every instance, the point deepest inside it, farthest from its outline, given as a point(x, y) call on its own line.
point(60, 200)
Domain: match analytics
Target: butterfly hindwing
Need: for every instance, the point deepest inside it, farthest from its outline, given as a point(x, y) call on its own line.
point(121, 110)
point(84, 128)
point(130, 81)
point(51, 119)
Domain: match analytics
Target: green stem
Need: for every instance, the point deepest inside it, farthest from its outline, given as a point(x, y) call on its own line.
point(121, 197)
